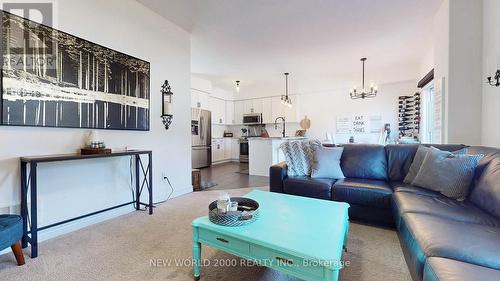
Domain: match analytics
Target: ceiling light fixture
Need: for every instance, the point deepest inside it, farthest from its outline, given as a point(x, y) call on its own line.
point(364, 93)
point(238, 86)
point(285, 99)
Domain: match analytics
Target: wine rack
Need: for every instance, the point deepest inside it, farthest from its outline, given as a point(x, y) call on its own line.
point(409, 116)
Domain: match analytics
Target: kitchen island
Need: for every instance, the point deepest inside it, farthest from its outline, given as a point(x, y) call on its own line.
point(265, 152)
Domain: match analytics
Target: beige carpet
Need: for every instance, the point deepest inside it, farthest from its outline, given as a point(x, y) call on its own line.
point(122, 249)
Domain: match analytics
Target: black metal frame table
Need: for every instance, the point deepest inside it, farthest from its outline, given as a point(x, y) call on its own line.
point(29, 183)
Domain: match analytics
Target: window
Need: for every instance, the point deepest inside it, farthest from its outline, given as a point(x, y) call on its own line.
point(427, 113)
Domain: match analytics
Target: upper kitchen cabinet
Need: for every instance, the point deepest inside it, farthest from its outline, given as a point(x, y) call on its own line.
point(230, 118)
point(239, 110)
point(199, 99)
point(218, 108)
point(267, 111)
point(253, 106)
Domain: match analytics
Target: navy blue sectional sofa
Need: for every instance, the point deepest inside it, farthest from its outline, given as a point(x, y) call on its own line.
point(442, 239)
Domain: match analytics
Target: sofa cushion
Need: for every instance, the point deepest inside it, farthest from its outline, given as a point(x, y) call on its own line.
point(442, 269)
point(308, 187)
point(327, 163)
point(299, 156)
point(426, 236)
point(400, 157)
point(372, 193)
point(419, 158)
point(440, 206)
point(364, 161)
point(405, 187)
point(450, 174)
point(486, 192)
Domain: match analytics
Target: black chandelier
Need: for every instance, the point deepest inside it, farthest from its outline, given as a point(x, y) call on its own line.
point(285, 99)
point(363, 93)
point(495, 80)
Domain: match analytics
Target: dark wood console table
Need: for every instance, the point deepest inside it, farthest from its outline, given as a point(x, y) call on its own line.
point(29, 183)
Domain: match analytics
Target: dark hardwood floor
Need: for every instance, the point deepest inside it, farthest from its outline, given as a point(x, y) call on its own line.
point(230, 176)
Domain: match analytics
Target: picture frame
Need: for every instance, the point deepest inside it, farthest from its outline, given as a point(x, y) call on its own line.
point(51, 78)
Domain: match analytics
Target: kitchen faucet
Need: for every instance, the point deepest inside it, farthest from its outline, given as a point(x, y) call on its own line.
point(284, 125)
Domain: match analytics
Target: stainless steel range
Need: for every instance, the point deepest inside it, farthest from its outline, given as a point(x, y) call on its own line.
point(243, 150)
point(251, 131)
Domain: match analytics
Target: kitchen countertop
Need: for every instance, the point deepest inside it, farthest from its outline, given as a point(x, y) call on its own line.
point(277, 138)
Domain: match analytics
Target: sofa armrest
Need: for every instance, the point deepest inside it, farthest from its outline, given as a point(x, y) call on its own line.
point(277, 173)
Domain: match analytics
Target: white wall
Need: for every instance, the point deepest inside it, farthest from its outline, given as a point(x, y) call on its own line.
point(427, 62)
point(323, 108)
point(457, 58)
point(465, 75)
point(491, 62)
point(73, 188)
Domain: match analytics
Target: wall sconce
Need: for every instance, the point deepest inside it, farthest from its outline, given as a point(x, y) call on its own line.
point(166, 108)
point(494, 81)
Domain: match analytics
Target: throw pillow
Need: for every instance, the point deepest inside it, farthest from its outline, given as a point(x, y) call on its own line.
point(419, 158)
point(448, 173)
point(327, 163)
point(299, 155)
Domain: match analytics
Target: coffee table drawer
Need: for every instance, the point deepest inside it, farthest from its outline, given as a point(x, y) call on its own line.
point(287, 262)
point(223, 241)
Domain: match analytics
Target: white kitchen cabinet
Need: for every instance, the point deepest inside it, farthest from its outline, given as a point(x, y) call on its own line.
point(230, 113)
point(277, 108)
point(235, 149)
point(217, 150)
point(247, 107)
point(222, 149)
point(267, 111)
point(218, 109)
point(252, 106)
point(239, 110)
point(227, 148)
point(200, 99)
point(257, 105)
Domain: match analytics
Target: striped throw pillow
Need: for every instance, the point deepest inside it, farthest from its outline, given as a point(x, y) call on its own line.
point(299, 156)
point(448, 173)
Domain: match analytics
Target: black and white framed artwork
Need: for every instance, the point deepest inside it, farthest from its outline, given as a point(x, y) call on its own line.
point(54, 79)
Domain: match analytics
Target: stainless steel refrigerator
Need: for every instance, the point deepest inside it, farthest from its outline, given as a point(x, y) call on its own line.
point(201, 138)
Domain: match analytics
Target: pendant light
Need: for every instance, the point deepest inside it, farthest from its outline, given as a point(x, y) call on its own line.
point(285, 99)
point(238, 86)
point(364, 93)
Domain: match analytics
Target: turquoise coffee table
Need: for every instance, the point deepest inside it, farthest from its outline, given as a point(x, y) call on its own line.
point(300, 236)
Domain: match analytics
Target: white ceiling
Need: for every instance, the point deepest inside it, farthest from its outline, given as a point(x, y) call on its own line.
point(319, 42)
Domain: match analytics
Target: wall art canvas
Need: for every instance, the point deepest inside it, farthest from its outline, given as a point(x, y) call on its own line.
point(54, 79)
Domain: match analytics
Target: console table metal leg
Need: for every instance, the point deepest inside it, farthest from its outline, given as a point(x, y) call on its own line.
point(33, 217)
point(196, 254)
point(150, 183)
point(24, 204)
point(137, 183)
